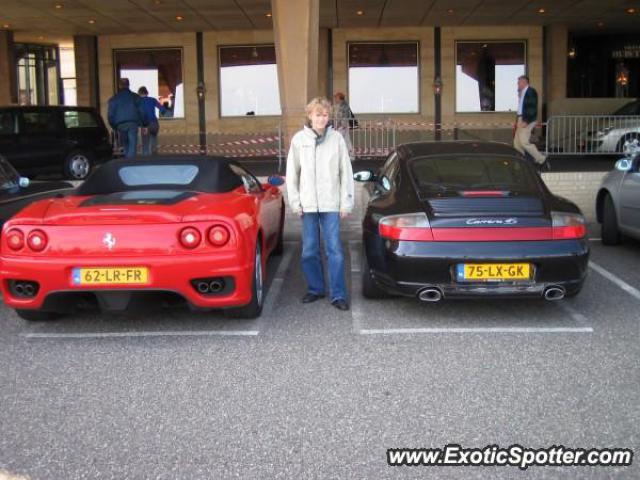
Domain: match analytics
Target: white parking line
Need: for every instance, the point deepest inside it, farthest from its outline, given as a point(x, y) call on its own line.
point(278, 279)
point(436, 330)
point(186, 333)
point(634, 292)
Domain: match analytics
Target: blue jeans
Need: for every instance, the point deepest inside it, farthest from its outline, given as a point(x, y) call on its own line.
point(128, 134)
point(329, 224)
point(150, 140)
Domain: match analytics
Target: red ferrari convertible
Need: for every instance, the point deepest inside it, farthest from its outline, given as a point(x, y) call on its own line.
point(198, 229)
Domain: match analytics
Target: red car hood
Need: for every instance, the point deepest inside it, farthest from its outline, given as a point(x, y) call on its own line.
point(79, 210)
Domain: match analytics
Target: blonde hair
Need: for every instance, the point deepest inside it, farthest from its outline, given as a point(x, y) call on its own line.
point(319, 103)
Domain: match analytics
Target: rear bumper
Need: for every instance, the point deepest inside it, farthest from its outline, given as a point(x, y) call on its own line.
point(166, 274)
point(406, 267)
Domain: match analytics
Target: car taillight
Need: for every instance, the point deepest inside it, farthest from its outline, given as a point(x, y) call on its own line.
point(410, 226)
point(568, 225)
point(37, 240)
point(218, 235)
point(190, 237)
point(15, 239)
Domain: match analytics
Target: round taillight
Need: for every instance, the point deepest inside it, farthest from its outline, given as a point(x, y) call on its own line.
point(190, 237)
point(15, 239)
point(37, 240)
point(218, 235)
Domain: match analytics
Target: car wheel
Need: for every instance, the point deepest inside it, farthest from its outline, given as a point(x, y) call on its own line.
point(370, 288)
point(626, 137)
point(279, 248)
point(77, 166)
point(610, 232)
point(254, 307)
point(37, 315)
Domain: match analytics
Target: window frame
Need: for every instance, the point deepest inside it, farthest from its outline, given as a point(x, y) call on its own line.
point(219, 77)
point(389, 42)
point(148, 49)
point(455, 66)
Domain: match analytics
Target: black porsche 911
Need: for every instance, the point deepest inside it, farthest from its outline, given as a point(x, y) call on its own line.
point(468, 220)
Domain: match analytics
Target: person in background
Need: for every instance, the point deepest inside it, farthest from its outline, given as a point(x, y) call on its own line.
point(150, 133)
point(125, 115)
point(341, 116)
point(526, 120)
point(320, 189)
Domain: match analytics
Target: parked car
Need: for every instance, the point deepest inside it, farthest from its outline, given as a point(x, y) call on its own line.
point(69, 140)
point(618, 200)
point(17, 192)
point(465, 220)
point(196, 229)
point(624, 125)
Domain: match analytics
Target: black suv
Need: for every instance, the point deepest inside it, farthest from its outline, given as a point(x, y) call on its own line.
point(70, 140)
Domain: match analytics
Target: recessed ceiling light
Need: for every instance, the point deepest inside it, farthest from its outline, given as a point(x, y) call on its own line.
point(268, 14)
point(360, 12)
point(92, 21)
point(40, 37)
point(631, 11)
point(542, 10)
point(59, 6)
point(157, 2)
point(600, 24)
point(450, 11)
point(179, 18)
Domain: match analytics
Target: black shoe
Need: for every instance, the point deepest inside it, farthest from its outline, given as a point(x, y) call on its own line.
point(340, 304)
point(311, 297)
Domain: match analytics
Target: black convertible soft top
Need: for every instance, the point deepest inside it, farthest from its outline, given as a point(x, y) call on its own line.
point(210, 175)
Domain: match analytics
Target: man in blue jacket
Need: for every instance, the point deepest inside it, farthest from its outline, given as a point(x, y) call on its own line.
point(126, 115)
point(526, 121)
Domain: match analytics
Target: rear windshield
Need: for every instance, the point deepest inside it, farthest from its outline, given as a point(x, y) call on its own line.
point(145, 175)
point(437, 176)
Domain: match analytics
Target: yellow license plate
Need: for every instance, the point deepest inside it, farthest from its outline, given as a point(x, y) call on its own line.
point(110, 276)
point(493, 271)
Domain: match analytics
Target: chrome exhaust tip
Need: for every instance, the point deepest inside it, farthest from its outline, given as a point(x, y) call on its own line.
point(216, 286)
point(29, 290)
point(19, 289)
point(202, 287)
point(430, 294)
point(554, 293)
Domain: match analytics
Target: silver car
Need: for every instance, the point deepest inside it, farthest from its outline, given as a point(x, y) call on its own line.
point(618, 200)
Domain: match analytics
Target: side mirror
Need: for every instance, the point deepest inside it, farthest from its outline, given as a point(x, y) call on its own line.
point(275, 180)
point(23, 182)
point(364, 176)
point(624, 165)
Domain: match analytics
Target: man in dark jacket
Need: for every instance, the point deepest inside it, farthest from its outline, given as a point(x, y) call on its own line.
point(126, 115)
point(526, 121)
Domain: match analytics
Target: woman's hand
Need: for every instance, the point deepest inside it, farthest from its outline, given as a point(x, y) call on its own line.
point(344, 215)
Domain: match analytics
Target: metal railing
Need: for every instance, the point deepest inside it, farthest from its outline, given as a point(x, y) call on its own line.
point(590, 134)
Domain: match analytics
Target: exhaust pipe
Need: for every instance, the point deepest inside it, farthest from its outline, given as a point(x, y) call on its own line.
point(29, 290)
point(216, 286)
point(554, 293)
point(202, 287)
point(430, 294)
point(19, 289)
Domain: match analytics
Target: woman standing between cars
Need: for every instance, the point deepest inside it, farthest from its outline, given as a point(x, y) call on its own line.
point(150, 133)
point(320, 190)
point(341, 119)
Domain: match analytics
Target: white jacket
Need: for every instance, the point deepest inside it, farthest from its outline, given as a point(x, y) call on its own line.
point(319, 177)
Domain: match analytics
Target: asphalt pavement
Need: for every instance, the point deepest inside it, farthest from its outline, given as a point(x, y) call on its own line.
point(310, 392)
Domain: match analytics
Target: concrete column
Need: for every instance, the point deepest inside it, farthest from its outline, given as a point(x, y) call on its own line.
point(557, 46)
point(296, 32)
point(8, 86)
point(86, 53)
